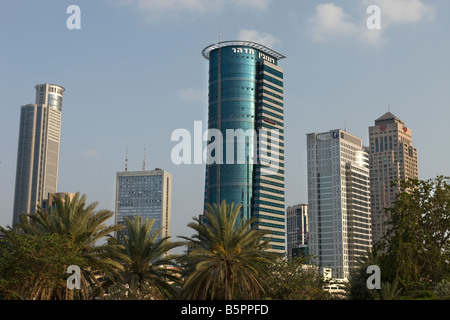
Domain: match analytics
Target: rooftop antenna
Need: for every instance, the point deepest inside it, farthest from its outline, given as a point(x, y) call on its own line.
point(143, 162)
point(345, 125)
point(126, 162)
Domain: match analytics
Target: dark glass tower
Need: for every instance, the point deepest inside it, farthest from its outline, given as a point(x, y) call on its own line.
point(246, 163)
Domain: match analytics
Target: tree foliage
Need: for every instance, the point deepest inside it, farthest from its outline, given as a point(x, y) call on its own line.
point(148, 270)
point(414, 255)
point(33, 267)
point(83, 227)
point(228, 257)
point(357, 286)
point(295, 280)
point(416, 247)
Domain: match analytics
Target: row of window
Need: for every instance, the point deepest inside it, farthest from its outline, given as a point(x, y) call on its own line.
point(272, 225)
point(271, 70)
point(273, 80)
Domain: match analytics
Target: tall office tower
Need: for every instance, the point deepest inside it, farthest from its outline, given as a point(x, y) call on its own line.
point(38, 149)
point(246, 101)
point(392, 158)
point(297, 230)
point(145, 194)
point(338, 200)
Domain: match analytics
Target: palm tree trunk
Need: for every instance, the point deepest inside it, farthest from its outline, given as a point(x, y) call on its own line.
point(228, 294)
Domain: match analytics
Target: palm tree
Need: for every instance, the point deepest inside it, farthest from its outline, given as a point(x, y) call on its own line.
point(147, 263)
point(388, 291)
point(84, 227)
point(228, 258)
point(357, 287)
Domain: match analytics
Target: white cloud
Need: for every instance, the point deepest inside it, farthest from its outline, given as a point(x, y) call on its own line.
point(193, 95)
point(160, 10)
point(331, 22)
point(253, 4)
point(402, 11)
point(263, 38)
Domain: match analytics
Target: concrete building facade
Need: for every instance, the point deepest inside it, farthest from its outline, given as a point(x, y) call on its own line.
point(392, 158)
point(145, 194)
point(297, 232)
point(38, 149)
point(338, 200)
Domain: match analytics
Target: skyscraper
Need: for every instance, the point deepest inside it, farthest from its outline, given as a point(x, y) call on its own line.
point(38, 149)
point(392, 158)
point(338, 200)
point(246, 99)
point(145, 194)
point(297, 229)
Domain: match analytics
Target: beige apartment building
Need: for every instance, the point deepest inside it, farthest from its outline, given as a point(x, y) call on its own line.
point(392, 158)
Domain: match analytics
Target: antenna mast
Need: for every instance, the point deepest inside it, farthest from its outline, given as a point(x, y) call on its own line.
point(143, 162)
point(126, 162)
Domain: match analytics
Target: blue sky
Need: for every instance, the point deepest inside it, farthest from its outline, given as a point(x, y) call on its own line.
point(134, 73)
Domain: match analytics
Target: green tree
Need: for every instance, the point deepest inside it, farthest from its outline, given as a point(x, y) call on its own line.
point(357, 286)
point(295, 280)
point(85, 228)
point(148, 267)
point(442, 290)
point(33, 267)
point(415, 249)
point(228, 258)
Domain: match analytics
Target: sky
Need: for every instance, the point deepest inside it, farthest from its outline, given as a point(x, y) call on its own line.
point(134, 73)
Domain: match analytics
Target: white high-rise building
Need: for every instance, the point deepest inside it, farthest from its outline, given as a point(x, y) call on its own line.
point(38, 149)
point(338, 200)
point(145, 194)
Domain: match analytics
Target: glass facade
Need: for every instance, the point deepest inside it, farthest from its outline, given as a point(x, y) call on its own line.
point(246, 98)
point(232, 96)
point(144, 194)
point(140, 196)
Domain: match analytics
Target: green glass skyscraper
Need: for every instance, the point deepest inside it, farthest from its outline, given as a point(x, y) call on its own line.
point(246, 106)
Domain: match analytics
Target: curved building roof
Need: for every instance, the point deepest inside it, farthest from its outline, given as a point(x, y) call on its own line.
point(50, 84)
point(260, 47)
